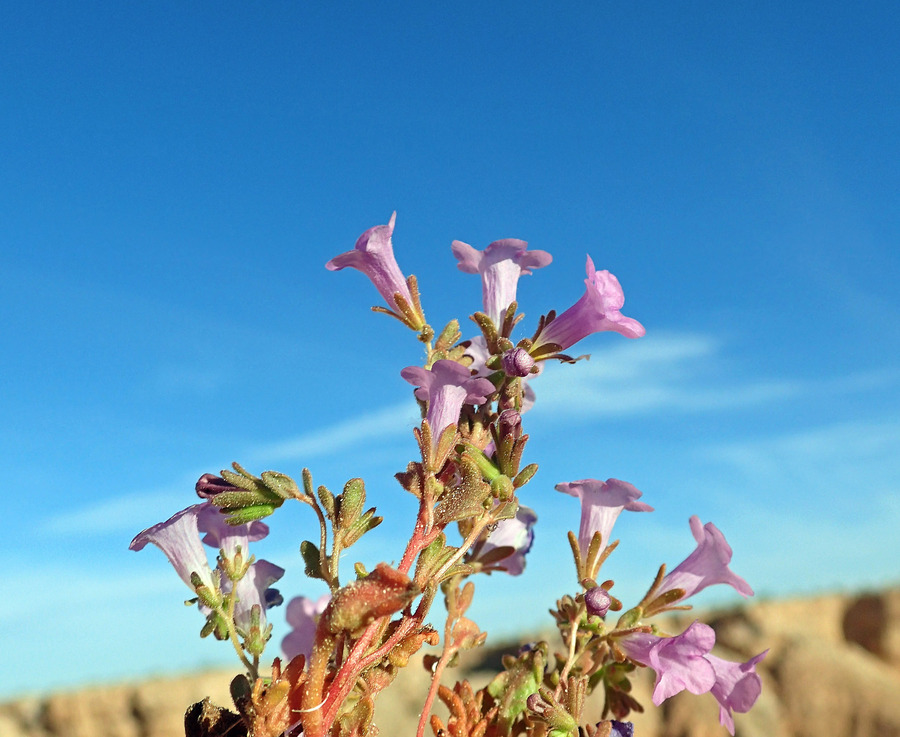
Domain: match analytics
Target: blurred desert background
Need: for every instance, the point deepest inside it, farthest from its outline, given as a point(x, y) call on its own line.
point(833, 668)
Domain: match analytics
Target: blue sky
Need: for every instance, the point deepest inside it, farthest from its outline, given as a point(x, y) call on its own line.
point(174, 178)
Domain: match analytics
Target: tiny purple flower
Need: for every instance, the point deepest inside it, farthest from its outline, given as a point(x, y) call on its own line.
point(621, 729)
point(707, 565)
point(179, 538)
point(302, 615)
point(374, 256)
point(253, 589)
point(737, 687)
point(446, 387)
point(597, 601)
point(500, 265)
point(601, 504)
point(597, 310)
point(516, 532)
point(680, 662)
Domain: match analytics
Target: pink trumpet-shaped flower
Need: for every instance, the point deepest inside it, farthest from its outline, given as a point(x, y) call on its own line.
point(302, 615)
point(737, 687)
point(517, 533)
point(597, 310)
point(253, 589)
point(684, 662)
point(374, 256)
point(680, 662)
point(707, 565)
point(446, 387)
point(601, 504)
point(179, 538)
point(500, 265)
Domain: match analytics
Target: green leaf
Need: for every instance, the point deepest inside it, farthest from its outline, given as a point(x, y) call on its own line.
point(359, 528)
point(352, 500)
point(430, 558)
point(283, 486)
point(312, 558)
point(525, 475)
point(327, 499)
point(249, 514)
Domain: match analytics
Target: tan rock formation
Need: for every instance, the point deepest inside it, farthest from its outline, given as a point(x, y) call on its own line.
point(833, 668)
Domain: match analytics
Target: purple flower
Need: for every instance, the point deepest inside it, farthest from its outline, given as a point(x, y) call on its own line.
point(446, 387)
point(516, 532)
point(597, 310)
point(500, 265)
point(707, 565)
point(374, 256)
point(621, 729)
point(601, 504)
point(302, 615)
point(222, 536)
point(680, 662)
point(179, 538)
point(737, 687)
point(253, 589)
point(684, 662)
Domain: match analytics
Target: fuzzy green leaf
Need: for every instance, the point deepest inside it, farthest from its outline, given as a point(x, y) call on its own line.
point(312, 558)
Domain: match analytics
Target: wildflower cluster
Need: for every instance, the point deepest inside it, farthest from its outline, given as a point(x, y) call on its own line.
point(469, 478)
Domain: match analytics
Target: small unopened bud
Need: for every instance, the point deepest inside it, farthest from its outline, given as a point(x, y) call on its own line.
point(209, 485)
point(597, 600)
point(535, 703)
point(517, 362)
point(256, 638)
point(509, 423)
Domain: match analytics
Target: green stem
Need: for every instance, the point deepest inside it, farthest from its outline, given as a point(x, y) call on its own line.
point(233, 636)
point(477, 529)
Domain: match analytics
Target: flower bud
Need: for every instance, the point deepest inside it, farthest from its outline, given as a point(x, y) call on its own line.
point(509, 423)
point(517, 362)
point(597, 600)
point(209, 485)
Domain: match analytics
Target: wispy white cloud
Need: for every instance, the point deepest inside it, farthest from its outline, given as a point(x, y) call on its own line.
point(132, 511)
point(676, 372)
point(389, 421)
point(818, 458)
point(669, 372)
